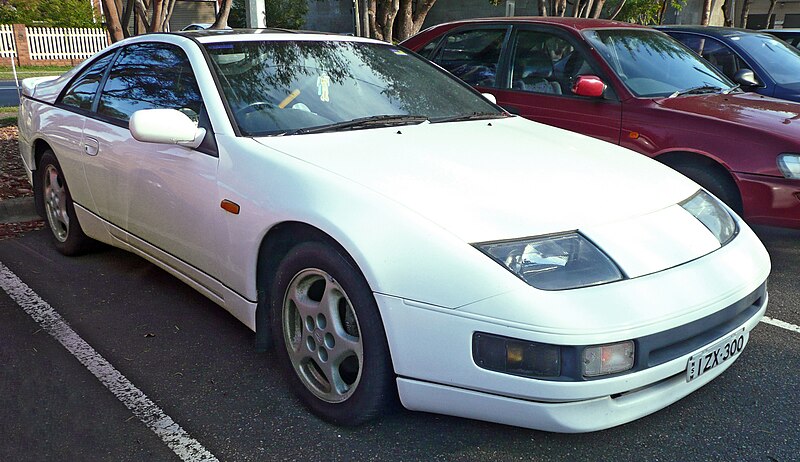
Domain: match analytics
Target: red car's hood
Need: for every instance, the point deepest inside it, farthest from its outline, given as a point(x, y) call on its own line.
point(778, 117)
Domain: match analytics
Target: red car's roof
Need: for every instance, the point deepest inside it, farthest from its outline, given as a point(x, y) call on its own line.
point(572, 23)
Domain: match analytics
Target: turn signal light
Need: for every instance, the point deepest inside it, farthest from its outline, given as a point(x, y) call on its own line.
point(516, 357)
point(608, 359)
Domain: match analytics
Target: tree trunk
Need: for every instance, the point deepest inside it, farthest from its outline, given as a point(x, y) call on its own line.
point(706, 17)
point(662, 11)
point(155, 19)
point(222, 17)
point(728, 12)
point(423, 7)
point(616, 11)
point(770, 11)
point(372, 12)
point(745, 13)
point(405, 20)
point(112, 21)
point(542, 11)
point(587, 8)
point(126, 17)
point(598, 8)
point(142, 22)
point(386, 14)
point(576, 8)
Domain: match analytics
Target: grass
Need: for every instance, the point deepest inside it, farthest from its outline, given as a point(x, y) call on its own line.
point(30, 71)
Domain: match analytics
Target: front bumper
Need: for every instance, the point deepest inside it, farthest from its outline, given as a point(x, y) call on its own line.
point(770, 200)
point(431, 346)
point(569, 416)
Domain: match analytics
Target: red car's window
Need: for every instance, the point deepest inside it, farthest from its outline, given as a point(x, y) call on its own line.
point(473, 55)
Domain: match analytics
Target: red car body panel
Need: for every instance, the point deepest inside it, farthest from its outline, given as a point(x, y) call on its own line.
point(742, 132)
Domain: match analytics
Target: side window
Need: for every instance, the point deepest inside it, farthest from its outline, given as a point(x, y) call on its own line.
point(714, 51)
point(150, 76)
point(545, 63)
point(428, 49)
point(80, 93)
point(473, 55)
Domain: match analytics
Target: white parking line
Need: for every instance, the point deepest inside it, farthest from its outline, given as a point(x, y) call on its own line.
point(186, 447)
point(781, 324)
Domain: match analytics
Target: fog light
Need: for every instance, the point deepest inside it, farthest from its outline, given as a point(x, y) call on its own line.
point(516, 357)
point(607, 359)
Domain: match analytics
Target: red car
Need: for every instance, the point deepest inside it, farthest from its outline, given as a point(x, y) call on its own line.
point(636, 87)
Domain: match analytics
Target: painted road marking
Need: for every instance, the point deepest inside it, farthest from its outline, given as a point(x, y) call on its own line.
point(176, 438)
point(781, 324)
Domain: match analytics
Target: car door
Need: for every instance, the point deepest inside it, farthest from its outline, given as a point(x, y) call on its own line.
point(66, 137)
point(541, 67)
point(163, 194)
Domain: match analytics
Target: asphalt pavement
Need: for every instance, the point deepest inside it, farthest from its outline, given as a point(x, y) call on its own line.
point(197, 364)
point(9, 95)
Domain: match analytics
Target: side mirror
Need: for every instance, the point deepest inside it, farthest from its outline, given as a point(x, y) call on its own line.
point(490, 97)
point(589, 85)
point(168, 126)
point(746, 78)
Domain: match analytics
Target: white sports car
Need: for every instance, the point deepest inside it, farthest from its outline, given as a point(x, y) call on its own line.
point(394, 233)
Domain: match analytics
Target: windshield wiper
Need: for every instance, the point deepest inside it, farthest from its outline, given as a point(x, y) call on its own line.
point(731, 89)
point(362, 122)
point(697, 90)
point(472, 116)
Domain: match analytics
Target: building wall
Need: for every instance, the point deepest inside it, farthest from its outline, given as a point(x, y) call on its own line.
point(330, 16)
point(188, 12)
point(453, 10)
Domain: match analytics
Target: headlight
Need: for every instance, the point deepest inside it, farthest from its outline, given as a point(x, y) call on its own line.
point(789, 165)
point(565, 261)
point(712, 215)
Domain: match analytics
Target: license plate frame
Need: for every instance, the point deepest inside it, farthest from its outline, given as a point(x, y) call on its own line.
point(717, 354)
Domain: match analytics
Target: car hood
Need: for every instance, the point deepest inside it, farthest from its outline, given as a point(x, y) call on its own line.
point(779, 117)
point(495, 179)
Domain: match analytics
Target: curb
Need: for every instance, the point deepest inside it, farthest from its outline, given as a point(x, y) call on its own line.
point(17, 210)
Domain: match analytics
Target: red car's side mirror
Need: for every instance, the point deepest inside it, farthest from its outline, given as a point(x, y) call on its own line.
point(589, 85)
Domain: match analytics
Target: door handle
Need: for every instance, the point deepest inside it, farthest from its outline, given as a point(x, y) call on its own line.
point(91, 146)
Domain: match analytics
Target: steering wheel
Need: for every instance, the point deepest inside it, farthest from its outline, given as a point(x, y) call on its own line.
point(252, 107)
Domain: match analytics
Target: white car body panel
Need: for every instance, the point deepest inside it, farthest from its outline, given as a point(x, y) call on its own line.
point(408, 204)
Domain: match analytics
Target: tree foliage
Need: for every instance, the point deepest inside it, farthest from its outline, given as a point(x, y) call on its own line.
point(61, 13)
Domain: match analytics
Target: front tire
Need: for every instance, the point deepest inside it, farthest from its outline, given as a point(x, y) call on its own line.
point(330, 338)
point(716, 183)
point(59, 209)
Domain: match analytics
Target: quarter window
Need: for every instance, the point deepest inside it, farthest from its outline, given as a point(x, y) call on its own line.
point(150, 76)
point(82, 91)
point(473, 55)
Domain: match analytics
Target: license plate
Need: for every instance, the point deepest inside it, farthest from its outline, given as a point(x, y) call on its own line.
point(722, 351)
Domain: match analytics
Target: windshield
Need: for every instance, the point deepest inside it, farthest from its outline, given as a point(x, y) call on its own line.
point(779, 59)
point(651, 64)
point(280, 87)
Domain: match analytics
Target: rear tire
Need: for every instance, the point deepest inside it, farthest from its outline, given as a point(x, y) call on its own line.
point(68, 237)
point(330, 337)
point(716, 183)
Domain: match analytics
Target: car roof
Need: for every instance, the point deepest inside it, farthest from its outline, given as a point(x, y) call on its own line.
point(221, 35)
point(577, 24)
point(711, 31)
point(790, 30)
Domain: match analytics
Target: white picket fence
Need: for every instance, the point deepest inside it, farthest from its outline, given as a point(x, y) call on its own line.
point(55, 43)
point(65, 43)
point(8, 48)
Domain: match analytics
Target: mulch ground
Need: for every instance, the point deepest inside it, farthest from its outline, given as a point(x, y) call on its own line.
point(13, 182)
